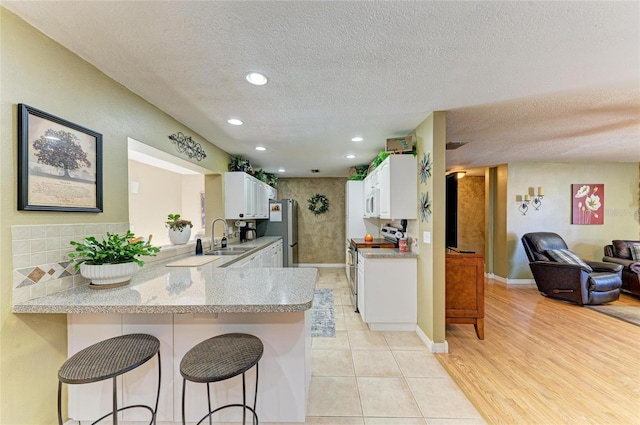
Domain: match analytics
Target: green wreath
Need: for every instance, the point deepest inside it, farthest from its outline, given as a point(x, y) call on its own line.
point(318, 204)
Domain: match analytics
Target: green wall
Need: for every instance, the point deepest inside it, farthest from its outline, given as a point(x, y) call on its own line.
point(40, 73)
point(431, 139)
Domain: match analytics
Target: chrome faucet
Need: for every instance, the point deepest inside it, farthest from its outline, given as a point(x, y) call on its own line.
point(226, 231)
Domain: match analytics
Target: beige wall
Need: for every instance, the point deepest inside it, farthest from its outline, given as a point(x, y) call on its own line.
point(471, 214)
point(320, 237)
point(41, 73)
point(431, 139)
point(620, 208)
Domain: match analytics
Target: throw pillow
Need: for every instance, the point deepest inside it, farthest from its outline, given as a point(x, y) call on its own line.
point(567, 256)
point(635, 252)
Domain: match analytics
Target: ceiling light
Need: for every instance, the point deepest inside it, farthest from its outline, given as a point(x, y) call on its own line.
point(234, 121)
point(261, 148)
point(256, 79)
point(281, 170)
point(350, 156)
point(357, 139)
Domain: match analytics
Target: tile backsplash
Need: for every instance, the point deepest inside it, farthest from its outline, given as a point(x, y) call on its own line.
point(41, 263)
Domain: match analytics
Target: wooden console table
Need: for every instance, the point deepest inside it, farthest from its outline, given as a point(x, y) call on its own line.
point(464, 293)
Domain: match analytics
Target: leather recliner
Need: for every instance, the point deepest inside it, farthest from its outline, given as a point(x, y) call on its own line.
point(570, 282)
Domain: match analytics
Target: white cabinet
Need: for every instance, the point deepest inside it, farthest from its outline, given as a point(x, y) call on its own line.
point(277, 259)
point(387, 293)
point(246, 197)
point(397, 179)
point(270, 256)
point(252, 261)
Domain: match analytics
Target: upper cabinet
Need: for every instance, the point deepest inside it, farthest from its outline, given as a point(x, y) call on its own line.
point(246, 197)
point(397, 179)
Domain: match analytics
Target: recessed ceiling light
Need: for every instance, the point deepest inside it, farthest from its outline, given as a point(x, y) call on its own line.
point(234, 121)
point(261, 148)
point(256, 79)
point(281, 170)
point(350, 156)
point(357, 139)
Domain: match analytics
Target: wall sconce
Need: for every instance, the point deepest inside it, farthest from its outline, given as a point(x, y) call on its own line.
point(523, 202)
point(460, 174)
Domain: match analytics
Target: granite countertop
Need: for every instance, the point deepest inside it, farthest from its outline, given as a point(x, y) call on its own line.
point(385, 253)
point(204, 289)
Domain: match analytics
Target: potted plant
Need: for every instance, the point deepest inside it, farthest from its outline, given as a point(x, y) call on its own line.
point(113, 260)
point(179, 230)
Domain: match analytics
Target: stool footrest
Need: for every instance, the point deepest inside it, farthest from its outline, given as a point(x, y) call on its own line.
point(133, 406)
point(255, 415)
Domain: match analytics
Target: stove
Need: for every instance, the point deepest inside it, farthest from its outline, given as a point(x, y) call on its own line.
point(389, 240)
point(392, 234)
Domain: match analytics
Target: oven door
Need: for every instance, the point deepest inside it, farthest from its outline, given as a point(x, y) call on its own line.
point(352, 261)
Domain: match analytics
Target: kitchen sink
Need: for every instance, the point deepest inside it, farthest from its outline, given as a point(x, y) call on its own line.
point(228, 251)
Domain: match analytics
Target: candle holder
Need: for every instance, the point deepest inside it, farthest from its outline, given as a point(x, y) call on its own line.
point(523, 204)
point(537, 201)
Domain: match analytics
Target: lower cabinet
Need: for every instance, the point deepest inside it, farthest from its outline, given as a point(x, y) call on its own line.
point(464, 290)
point(285, 368)
point(271, 256)
point(387, 293)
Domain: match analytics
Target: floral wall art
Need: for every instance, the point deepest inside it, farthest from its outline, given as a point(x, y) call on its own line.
point(588, 203)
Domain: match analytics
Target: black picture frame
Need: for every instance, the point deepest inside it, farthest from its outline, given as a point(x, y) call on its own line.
point(59, 164)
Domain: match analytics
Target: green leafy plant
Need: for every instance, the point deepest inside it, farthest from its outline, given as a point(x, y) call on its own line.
point(240, 164)
point(114, 249)
point(361, 172)
point(382, 155)
point(175, 223)
point(272, 179)
point(261, 175)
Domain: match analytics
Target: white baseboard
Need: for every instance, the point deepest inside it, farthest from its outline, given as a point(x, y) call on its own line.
point(434, 347)
point(321, 265)
point(521, 282)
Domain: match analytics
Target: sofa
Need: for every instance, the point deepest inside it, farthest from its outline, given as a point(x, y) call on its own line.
point(619, 252)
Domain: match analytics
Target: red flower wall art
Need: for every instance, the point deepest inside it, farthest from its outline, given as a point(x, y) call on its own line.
point(588, 203)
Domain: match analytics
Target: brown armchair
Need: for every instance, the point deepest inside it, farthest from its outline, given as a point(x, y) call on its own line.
point(587, 282)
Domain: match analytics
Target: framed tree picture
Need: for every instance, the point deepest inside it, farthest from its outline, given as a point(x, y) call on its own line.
point(59, 164)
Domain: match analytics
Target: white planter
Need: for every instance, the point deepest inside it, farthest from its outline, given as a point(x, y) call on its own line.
point(108, 274)
point(179, 237)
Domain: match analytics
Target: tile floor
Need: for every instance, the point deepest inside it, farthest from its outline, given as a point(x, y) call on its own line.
point(378, 378)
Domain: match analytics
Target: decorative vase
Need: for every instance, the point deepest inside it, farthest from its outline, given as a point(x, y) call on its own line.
point(180, 237)
point(108, 274)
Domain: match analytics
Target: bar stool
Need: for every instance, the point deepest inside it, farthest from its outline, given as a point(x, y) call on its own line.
point(109, 359)
point(219, 358)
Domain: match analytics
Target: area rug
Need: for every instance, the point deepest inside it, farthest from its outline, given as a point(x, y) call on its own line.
point(628, 313)
point(322, 315)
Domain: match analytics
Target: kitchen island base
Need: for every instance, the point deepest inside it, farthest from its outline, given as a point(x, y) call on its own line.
point(285, 368)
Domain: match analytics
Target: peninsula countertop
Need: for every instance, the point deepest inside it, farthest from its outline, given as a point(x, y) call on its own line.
point(204, 289)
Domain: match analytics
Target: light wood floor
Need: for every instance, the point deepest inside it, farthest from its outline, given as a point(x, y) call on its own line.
point(547, 362)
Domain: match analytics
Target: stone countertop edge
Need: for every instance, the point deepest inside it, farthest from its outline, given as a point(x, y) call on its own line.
point(202, 289)
point(386, 253)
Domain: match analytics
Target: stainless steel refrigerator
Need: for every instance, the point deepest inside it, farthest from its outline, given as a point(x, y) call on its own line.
point(283, 221)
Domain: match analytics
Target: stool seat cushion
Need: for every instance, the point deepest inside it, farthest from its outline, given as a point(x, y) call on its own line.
point(108, 358)
point(221, 357)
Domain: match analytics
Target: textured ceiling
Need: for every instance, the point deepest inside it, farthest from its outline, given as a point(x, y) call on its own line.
point(521, 81)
